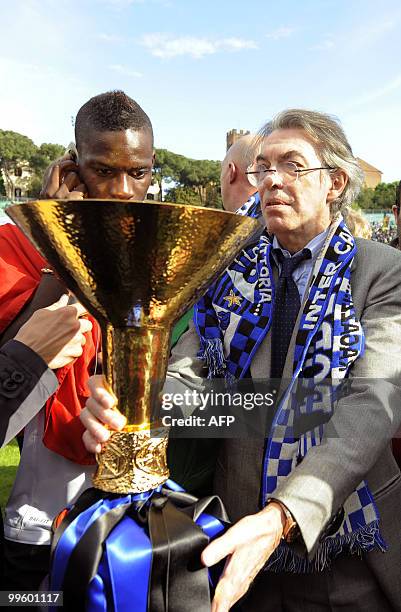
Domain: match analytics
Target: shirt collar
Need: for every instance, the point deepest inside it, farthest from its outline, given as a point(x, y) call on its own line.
point(313, 245)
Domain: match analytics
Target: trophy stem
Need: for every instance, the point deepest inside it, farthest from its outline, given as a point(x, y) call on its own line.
point(135, 363)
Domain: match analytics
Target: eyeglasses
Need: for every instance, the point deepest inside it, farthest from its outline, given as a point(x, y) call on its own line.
point(287, 170)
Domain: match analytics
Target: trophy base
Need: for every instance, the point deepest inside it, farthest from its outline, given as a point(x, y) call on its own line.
point(132, 462)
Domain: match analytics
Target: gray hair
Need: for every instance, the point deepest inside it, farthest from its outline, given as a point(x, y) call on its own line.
point(331, 143)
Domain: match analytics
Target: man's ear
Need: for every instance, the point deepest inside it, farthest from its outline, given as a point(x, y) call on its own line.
point(153, 158)
point(339, 180)
point(395, 213)
point(232, 172)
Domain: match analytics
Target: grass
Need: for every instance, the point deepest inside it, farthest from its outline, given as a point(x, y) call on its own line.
point(9, 460)
point(181, 326)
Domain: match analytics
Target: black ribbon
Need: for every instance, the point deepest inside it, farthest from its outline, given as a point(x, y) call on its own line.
point(177, 543)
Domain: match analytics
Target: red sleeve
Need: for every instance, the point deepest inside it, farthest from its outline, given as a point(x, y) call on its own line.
point(20, 272)
point(63, 427)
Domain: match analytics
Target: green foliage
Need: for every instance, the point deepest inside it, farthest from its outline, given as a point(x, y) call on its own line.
point(35, 186)
point(183, 195)
point(15, 147)
point(381, 197)
point(201, 175)
point(193, 181)
point(44, 156)
point(364, 199)
point(40, 160)
point(191, 196)
point(213, 197)
point(385, 195)
point(168, 166)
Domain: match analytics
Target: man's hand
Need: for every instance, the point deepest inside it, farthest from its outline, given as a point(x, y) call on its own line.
point(100, 410)
point(247, 546)
point(61, 181)
point(56, 333)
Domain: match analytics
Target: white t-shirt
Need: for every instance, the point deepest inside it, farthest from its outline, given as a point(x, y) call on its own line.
point(45, 484)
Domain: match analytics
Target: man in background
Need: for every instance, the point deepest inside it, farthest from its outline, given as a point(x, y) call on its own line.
point(235, 186)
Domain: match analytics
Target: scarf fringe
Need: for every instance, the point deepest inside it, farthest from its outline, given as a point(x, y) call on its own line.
point(212, 353)
point(284, 559)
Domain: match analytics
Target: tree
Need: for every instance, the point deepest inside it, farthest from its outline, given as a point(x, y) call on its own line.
point(201, 174)
point(193, 181)
point(40, 160)
point(15, 149)
point(213, 197)
point(34, 186)
point(167, 167)
point(44, 156)
point(382, 197)
point(364, 199)
point(183, 195)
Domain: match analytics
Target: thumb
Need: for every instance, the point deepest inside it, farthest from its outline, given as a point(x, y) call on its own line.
point(80, 310)
point(216, 551)
point(61, 302)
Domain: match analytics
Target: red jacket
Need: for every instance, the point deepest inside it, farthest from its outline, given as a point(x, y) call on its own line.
point(20, 275)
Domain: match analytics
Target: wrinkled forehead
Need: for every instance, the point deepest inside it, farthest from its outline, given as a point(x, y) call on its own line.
point(287, 143)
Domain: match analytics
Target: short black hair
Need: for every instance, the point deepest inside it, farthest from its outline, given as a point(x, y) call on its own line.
point(397, 196)
point(112, 111)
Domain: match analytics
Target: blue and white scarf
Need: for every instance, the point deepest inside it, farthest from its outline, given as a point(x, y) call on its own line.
point(232, 320)
point(251, 208)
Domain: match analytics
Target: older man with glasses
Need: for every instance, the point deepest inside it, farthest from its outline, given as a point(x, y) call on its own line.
point(315, 500)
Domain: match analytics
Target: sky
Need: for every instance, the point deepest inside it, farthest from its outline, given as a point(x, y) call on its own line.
point(200, 69)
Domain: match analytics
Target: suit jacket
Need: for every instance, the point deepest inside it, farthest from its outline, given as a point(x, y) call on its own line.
point(26, 383)
point(357, 443)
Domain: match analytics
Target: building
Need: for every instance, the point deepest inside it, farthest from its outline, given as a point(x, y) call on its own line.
point(16, 180)
point(153, 192)
point(234, 135)
point(373, 176)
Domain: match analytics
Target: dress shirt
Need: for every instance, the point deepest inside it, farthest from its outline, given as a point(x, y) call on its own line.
point(302, 272)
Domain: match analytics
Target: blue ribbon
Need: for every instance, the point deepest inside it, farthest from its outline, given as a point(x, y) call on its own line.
point(123, 575)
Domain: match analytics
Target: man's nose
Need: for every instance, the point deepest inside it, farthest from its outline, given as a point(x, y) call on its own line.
point(272, 180)
point(121, 187)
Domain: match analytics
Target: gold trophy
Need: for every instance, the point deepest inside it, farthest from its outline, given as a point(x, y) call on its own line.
point(137, 267)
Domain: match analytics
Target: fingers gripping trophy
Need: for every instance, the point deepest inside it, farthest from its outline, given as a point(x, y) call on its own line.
point(133, 541)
